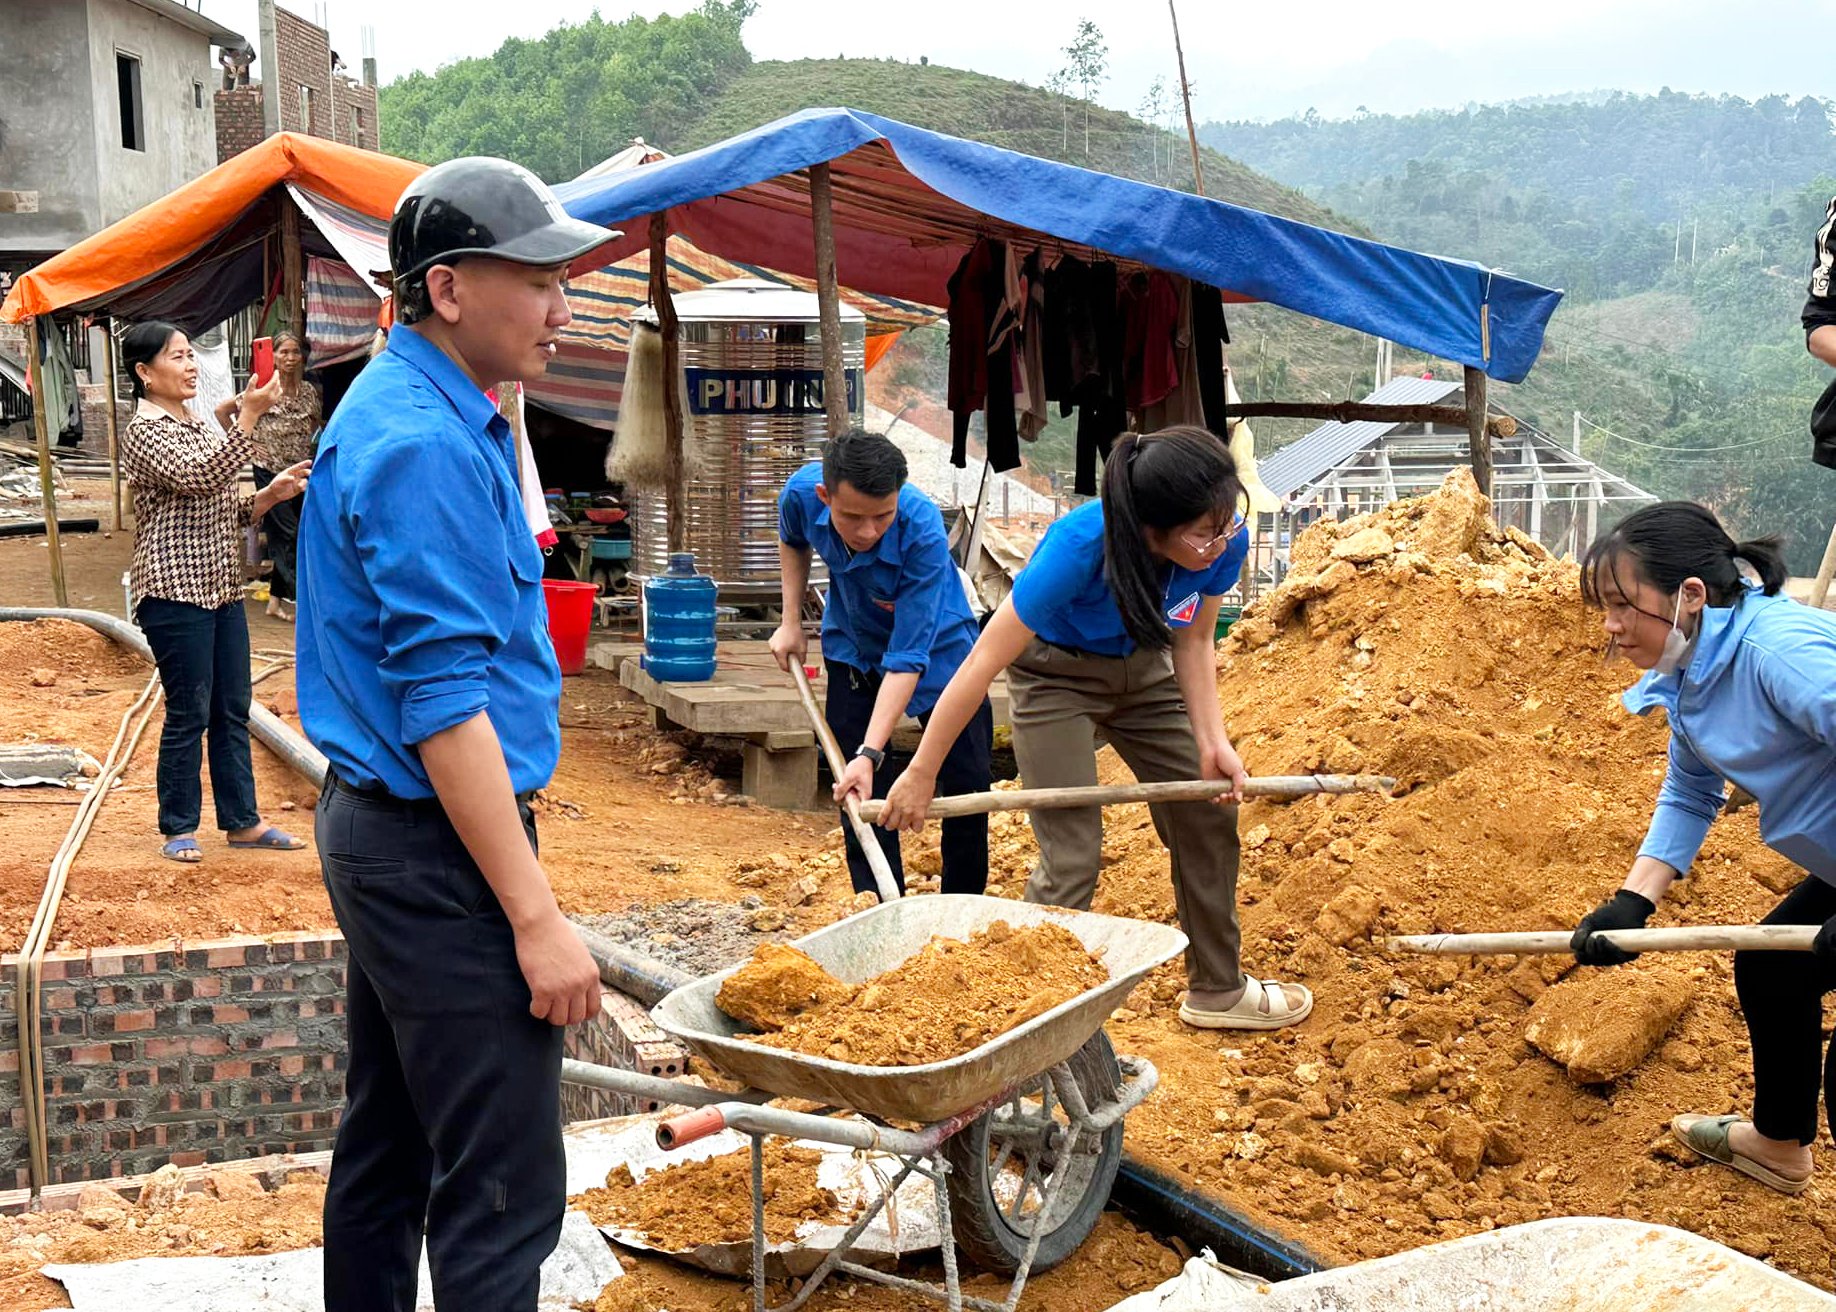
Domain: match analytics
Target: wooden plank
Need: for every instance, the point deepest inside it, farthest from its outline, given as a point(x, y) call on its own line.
point(676, 515)
point(1350, 412)
point(35, 375)
point(1477, 431)
point(114, 439)
point(828, 301)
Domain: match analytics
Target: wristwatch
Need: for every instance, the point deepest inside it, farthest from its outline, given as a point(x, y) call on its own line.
point(873, 754)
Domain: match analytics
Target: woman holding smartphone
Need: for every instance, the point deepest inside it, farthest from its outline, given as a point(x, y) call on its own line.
point(186, 582)
point(1109, 628)
point(284, 436)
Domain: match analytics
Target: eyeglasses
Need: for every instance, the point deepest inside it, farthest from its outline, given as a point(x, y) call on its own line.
point(1211, 545)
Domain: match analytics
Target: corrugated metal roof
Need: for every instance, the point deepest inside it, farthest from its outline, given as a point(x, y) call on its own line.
point(1326, 447)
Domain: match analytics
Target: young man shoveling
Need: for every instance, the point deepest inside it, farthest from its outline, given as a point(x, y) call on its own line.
point(895, 628)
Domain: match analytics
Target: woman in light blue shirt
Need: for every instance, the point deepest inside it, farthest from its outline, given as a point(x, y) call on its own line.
point(1109, 629)
point(1747, 680)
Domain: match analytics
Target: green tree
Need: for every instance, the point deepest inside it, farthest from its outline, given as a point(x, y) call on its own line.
point(1087, 58)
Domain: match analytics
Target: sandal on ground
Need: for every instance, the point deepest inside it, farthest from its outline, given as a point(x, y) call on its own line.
point(1707, 1136)
point(1251, 1011)
point(183, 850)
point(273, 840)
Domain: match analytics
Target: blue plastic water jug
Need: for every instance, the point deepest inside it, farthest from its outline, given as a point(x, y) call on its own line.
point(679, 623)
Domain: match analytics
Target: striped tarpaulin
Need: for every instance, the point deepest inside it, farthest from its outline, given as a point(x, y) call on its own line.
point(340, 312)
point(603, 301)
point(583, 382)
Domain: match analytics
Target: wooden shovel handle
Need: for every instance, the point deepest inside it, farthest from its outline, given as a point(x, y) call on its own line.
point(1179, 790)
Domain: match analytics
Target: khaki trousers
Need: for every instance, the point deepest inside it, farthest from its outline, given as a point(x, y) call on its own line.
point(1060, 700)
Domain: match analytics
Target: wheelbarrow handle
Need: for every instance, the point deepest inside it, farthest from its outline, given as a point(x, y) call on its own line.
point(1274, 787)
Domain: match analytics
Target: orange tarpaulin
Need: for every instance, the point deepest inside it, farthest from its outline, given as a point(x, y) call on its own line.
point(158, 237)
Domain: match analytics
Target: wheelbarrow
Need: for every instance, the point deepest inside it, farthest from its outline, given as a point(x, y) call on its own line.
point(1020, 1138)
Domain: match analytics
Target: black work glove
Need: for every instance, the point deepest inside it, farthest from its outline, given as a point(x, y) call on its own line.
point(1624, 910)
point(1823, 947)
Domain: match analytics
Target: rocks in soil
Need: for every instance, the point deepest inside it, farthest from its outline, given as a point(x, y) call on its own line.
point(701, 936)
point(1365, 546)
point(235, 1185)
point(803, 892)
point(778, 985)
point(101, 1206)
point(43, 678)
point(1600, 1025)
point(162, 1188)
point(1349, 915)
point(1463, 1145)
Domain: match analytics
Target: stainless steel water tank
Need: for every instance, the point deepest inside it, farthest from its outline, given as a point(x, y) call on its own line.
point(752, 360)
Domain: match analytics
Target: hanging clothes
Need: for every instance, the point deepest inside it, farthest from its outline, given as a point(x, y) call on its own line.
point(1097, 360)
point(1150, 311)
point(1183, 405)
point(1029, 371)
point(1210, 335)
point(982, 363)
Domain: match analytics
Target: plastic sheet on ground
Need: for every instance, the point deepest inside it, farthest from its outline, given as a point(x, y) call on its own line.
point(1577, 1264)
point(574, 1273)
point(593, 1151)
point(32, 765)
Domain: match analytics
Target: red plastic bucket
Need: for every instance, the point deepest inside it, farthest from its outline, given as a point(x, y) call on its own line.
point(570, 615)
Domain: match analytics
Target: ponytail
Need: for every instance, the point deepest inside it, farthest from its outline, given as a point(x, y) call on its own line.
point(1677, 540)
point(1160, 481)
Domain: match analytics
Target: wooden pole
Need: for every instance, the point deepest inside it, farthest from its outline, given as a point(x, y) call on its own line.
point(1185, 94)
point(1351, 412)
point(41, 425)
point(1683, 938)
point(1820, 587)
point(828, 301)
point(114, 429)
point(669, 328)
point(1273, 787)
point(1479, 439)
point(292, 276)
point(831, 750)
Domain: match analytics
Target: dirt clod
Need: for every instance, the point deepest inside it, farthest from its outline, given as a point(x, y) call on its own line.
point(1602, 1024)
point(778, 985)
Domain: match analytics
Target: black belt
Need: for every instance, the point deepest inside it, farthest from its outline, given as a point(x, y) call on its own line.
point(377, 793)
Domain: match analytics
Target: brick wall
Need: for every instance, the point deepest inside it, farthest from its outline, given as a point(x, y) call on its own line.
point(303, 51)
point(238, 120)
point(354, 114)
point(222, 1051)
point(182, 1053)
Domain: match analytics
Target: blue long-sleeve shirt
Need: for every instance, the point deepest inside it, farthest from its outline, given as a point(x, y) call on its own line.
point(897, 607)
point(1756, 706)
point(420, 584)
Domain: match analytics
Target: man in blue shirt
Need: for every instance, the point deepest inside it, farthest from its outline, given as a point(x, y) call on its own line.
point(895, 629)
point(426, 676)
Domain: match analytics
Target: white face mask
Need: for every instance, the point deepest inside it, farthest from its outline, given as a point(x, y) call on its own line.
point(1676, 646)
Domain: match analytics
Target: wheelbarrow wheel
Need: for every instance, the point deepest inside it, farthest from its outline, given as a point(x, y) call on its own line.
point(1001, 1165)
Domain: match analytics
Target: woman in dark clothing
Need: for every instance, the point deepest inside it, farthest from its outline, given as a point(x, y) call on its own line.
point(284, 436)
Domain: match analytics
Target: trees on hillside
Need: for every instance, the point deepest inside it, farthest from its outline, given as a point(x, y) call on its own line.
point(1087, 64)
point(564, 101)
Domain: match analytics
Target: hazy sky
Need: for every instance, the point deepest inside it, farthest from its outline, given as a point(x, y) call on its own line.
point(1258, 60)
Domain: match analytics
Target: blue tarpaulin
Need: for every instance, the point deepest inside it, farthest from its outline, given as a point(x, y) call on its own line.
point(908, 203)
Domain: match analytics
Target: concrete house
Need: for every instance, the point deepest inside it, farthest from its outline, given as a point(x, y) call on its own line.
point(105, 106)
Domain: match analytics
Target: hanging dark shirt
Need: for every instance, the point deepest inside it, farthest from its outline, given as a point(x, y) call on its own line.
point(1210, 335)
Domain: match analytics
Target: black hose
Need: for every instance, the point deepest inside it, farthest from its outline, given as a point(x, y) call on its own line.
point(30, 528)
point(1165, 1206)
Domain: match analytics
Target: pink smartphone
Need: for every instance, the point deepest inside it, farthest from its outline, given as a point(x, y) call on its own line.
point(261, 361)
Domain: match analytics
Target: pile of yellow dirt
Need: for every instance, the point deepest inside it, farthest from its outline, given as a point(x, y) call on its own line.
point(1423, 642)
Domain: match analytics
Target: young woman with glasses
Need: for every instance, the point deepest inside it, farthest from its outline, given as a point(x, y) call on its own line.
point(1110, 628)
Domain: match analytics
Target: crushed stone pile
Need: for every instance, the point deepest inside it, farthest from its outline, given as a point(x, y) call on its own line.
point(1422, 641)
point(950, 997)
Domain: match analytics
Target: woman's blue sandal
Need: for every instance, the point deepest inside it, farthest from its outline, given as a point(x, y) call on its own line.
point(273, 840)
point(183, 850)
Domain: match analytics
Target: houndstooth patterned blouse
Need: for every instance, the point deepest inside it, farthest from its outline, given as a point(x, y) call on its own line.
point(188, 514)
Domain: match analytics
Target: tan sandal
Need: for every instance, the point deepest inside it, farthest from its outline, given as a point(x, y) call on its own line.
point(1263, 1006)
point(1707, 1136)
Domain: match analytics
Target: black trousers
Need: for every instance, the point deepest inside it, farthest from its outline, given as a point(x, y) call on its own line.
point(452, 1117)
point(1781, 996)
point(966, 769)
point(282, 526)
point(203, 659)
